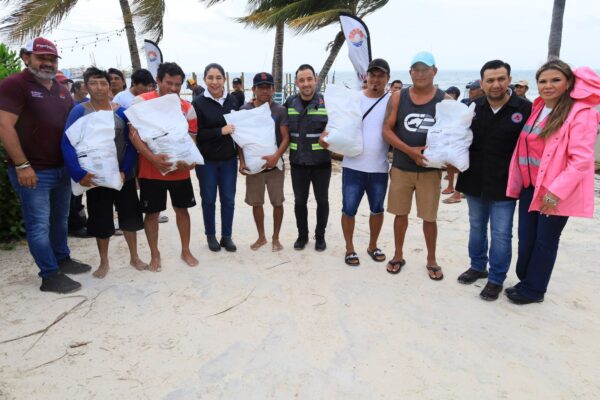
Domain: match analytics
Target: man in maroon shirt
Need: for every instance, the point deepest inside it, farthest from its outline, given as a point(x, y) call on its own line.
point(33, 111)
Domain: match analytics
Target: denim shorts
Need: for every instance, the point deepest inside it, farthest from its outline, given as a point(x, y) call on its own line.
point(356, 183)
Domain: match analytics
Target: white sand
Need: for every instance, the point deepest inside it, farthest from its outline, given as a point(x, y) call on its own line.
point(312, 328)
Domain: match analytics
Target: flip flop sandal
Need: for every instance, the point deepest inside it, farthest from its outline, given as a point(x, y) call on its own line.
point(394, 264)
point(446, 191)
point(377, 255)
point(450, 200)
point(434, 268)
point(352, 259)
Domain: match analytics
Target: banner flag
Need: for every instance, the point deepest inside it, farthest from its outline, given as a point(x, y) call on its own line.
point(359, 44)
point(153, 56)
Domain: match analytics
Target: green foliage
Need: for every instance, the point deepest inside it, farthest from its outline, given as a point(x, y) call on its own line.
point(11, 222)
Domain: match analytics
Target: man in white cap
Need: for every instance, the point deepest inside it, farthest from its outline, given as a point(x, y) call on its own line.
point(409, 115)
point(521, 88)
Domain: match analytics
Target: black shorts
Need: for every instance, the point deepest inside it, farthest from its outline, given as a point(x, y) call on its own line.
point(153, 194)
point(100, 203)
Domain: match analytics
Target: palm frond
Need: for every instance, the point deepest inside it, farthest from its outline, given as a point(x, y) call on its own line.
point(367, 7)
point(316, 21)
point(33, 17)
point(149, 15)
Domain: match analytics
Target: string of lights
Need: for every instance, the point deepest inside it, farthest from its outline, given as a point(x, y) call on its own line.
point(98, 39)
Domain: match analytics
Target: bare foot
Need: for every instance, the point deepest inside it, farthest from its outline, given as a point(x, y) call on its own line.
point(154, 264)
point(277, 246)
point(101, 271)
point(189, 258)
point(138, 264)
point(258, 244)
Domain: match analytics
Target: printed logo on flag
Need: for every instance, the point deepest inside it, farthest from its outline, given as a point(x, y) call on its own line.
point(517, 117)
point(356, 37)
point(152, 56)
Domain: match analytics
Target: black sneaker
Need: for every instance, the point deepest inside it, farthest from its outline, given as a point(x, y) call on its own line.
point(228, 244)
point(490, 292)
point(72, 267)
point(59, 283)
point(300, 243)
point(510, 290)
point(213, 243)
point(471, 275)
point(80, 233)
point(518, 298)
point(320, 244)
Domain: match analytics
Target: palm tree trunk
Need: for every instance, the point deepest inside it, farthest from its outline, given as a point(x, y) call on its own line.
point(277, 69)
point(555, 38)
point(130, 32)
point(338, 42)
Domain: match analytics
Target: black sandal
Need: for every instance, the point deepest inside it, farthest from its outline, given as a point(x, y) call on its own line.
point(352, 259)
point(393, 263)
point(377, 255)
point(434, 269)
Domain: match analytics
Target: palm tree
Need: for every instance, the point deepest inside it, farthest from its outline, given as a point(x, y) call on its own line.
point(33, 17)
point(258, 11)
point(555, 38)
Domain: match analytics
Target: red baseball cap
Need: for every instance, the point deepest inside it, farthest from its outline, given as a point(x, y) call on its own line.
point(61, 78)
point(40, 46)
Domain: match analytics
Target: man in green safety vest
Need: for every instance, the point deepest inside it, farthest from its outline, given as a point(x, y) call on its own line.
point(309, 161)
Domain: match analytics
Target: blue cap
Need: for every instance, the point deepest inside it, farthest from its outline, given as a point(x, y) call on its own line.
point(424, 57)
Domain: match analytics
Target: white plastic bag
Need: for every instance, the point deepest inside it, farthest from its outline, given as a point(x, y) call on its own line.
point(449, 139)
point(164, 128)
point(255, 134)
point(344, 120)
point(93, 137)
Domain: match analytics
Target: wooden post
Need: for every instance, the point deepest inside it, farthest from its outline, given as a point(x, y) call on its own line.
point(227, 81)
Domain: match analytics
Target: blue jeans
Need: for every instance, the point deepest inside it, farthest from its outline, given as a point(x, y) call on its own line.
point(221, 175)
point(538, 244)
point(356, 183)
point(46, 213)
point(499, 214)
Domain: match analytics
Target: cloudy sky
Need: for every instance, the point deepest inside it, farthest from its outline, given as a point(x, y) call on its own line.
point(462, 34)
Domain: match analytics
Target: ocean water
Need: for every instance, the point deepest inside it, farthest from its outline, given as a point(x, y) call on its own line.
point(443, 79)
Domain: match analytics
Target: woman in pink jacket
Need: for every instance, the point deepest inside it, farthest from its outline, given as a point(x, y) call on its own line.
point(552, 171)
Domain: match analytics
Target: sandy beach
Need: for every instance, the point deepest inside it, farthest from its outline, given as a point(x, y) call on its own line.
point(264, 325)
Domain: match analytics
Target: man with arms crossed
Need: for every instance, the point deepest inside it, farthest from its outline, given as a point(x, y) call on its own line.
point(154, 185)
point(409, 115)
point(272, 177)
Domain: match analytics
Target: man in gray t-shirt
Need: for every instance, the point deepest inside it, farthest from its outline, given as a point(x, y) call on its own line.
point(271, 177)
point(409, 115)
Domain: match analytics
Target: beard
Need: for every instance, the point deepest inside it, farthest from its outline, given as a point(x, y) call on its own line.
point(45, 74)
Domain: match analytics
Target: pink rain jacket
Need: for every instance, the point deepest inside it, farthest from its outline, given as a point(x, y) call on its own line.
point(567, 165)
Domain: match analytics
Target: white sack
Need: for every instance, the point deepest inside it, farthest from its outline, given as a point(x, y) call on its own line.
point(93, 137)
point(255, 134)
point(164, 128)
point(449, 139)
point(344, 120)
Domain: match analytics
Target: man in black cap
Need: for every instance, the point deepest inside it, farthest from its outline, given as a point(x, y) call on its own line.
point(368, 171)
point(238, 91)
point(271, 177)
point(475, 91)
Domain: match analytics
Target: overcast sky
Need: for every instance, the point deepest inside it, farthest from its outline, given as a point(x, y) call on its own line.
point(462, 34)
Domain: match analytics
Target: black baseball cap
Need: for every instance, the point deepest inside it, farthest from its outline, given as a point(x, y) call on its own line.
point(379, 63)
point(263, 78)
point(237, 80)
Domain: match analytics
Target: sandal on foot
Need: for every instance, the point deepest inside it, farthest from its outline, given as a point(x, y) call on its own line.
point(377, 254)
point(434, 269)
point(450, 200)
point(352, 259)
point(394, 264)
point(446, 191)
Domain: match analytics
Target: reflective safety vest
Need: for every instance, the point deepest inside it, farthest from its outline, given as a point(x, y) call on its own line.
point(305, 127)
